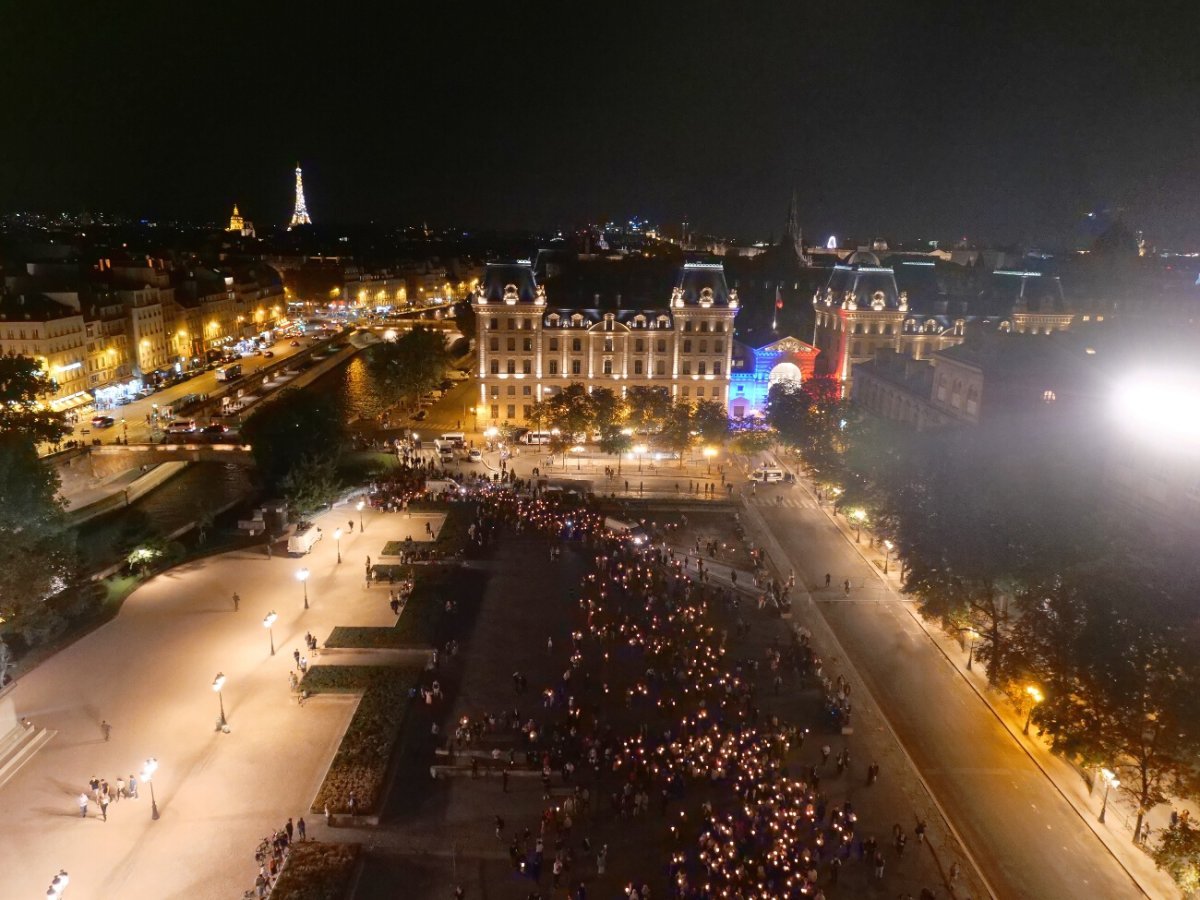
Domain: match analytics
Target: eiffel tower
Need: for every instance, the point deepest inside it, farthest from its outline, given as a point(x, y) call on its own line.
point(300, 216)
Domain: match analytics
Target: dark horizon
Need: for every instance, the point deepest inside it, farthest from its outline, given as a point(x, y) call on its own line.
point(927, 122)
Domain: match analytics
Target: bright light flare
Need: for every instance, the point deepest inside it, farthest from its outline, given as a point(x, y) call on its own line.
point(1158, 406)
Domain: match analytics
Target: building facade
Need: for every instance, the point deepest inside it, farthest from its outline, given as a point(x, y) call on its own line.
point(861, 312)
point(757, 369)
point(529, 349)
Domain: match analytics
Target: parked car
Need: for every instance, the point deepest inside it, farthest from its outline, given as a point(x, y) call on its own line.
point(767, 475)
point(215, 428)
point(474, 455)
point(294, 344)
point(268, 353)
point(420, 415)
point(103, 421)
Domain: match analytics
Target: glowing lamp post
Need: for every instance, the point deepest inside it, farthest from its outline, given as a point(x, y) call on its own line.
point(971, 653)
point(359, 506)
point(1110, 781)
point(268, 623)
point(578, 461)
point(217, 685)
point(1035, 697)
point(58, 885)
point(859, 516)
point(302, 577)
point(148, 776)
point(709, 454)
point(337, 539)
point(888, 547)
point(639, 451)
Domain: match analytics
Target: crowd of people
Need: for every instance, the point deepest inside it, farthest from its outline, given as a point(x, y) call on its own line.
point(652, 714)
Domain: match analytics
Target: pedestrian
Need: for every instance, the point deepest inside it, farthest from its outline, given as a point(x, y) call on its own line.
point(301, 828)
point(499, 828)
point(104, 807)
point(846, 585)
point(504, 780)
point(83, 805)
point(237, 600)
point(825, 751)
point(350, 526)
point(879, 865)
point(133, 787)
point(601, 859)
point(549, 645)
point(954, 872)
point(835, 866)
point(459, 893)
point(121, 788)
point(289, 828)
point(920, 829)
point(296, 656)
point(105, 729)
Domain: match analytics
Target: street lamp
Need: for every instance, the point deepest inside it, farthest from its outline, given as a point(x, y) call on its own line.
point(639, 451)
point(971, 653)
point(1035, 697)
point(268, 622)
point(859, 516)
point(1110, 781)
point(337, 537)
point(888, 547)
point(359, 506)
point(148, 775)
point(58, 885)
point(709, 453)
point(302, 577)
point(218, 683)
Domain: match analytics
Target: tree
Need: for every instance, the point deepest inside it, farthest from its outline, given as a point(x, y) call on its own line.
point(412, 365)
point(615, 441)
point(648, 408)
point(608, 409)
point(1178, 854)
point(678, 430)
point(23, 386)
point(571, 412)
point(709, 418)
point(311, 483)
point(1121, 681)
point(37, 552)
point(294, 426)
point(755, 440)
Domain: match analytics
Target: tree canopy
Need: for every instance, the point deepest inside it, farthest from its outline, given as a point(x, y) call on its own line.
point(24, 387)
point(412, 365)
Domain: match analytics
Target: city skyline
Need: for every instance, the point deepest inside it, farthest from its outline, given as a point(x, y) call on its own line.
point(915, 122)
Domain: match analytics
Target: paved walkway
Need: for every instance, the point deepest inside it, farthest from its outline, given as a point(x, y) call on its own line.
point(149, 674)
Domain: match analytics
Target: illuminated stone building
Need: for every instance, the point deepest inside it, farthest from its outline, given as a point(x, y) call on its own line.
point(529, 348)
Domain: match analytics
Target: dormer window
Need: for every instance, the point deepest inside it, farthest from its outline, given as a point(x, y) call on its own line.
point(706, 297)
point(577, 319)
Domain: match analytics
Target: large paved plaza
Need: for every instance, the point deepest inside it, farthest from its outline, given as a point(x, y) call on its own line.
point(149, 674)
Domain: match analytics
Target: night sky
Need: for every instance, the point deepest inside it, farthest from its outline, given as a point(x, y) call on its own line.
point(901, 120)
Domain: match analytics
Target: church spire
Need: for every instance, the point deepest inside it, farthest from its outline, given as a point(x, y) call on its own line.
point(793, 234)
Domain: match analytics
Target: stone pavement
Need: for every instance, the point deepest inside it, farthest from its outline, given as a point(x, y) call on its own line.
point(442, 833)
point(149, 674)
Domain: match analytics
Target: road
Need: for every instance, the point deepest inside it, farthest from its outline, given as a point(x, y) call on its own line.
point(1028, 841)
point(134, 424)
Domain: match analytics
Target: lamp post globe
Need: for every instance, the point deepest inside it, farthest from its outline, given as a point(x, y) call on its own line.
point(218, 683)
point(1110, 781)
point(148, 777)
point(337, 539)
point(359, 506)
point(302, 577)
point(1035, 697)
point(268, 623)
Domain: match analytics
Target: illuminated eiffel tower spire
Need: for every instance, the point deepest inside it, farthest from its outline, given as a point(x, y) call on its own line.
point(300, 216)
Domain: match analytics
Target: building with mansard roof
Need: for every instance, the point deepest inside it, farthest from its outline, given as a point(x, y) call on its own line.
point(530, 345)
point(861, 311)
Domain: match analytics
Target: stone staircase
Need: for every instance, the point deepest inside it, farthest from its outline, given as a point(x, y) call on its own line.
point(18, 746)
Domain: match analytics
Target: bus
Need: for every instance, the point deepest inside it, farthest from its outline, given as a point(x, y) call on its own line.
point(230, 373)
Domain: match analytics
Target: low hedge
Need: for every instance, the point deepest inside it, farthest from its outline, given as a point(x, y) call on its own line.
point(422, 622)
point(316, 871)
point(361, 763)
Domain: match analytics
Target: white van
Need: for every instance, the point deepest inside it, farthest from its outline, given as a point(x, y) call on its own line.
point(457, 438)
point(182, 426)
point(767, 475)
point(535, 437)
point(304, 538)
